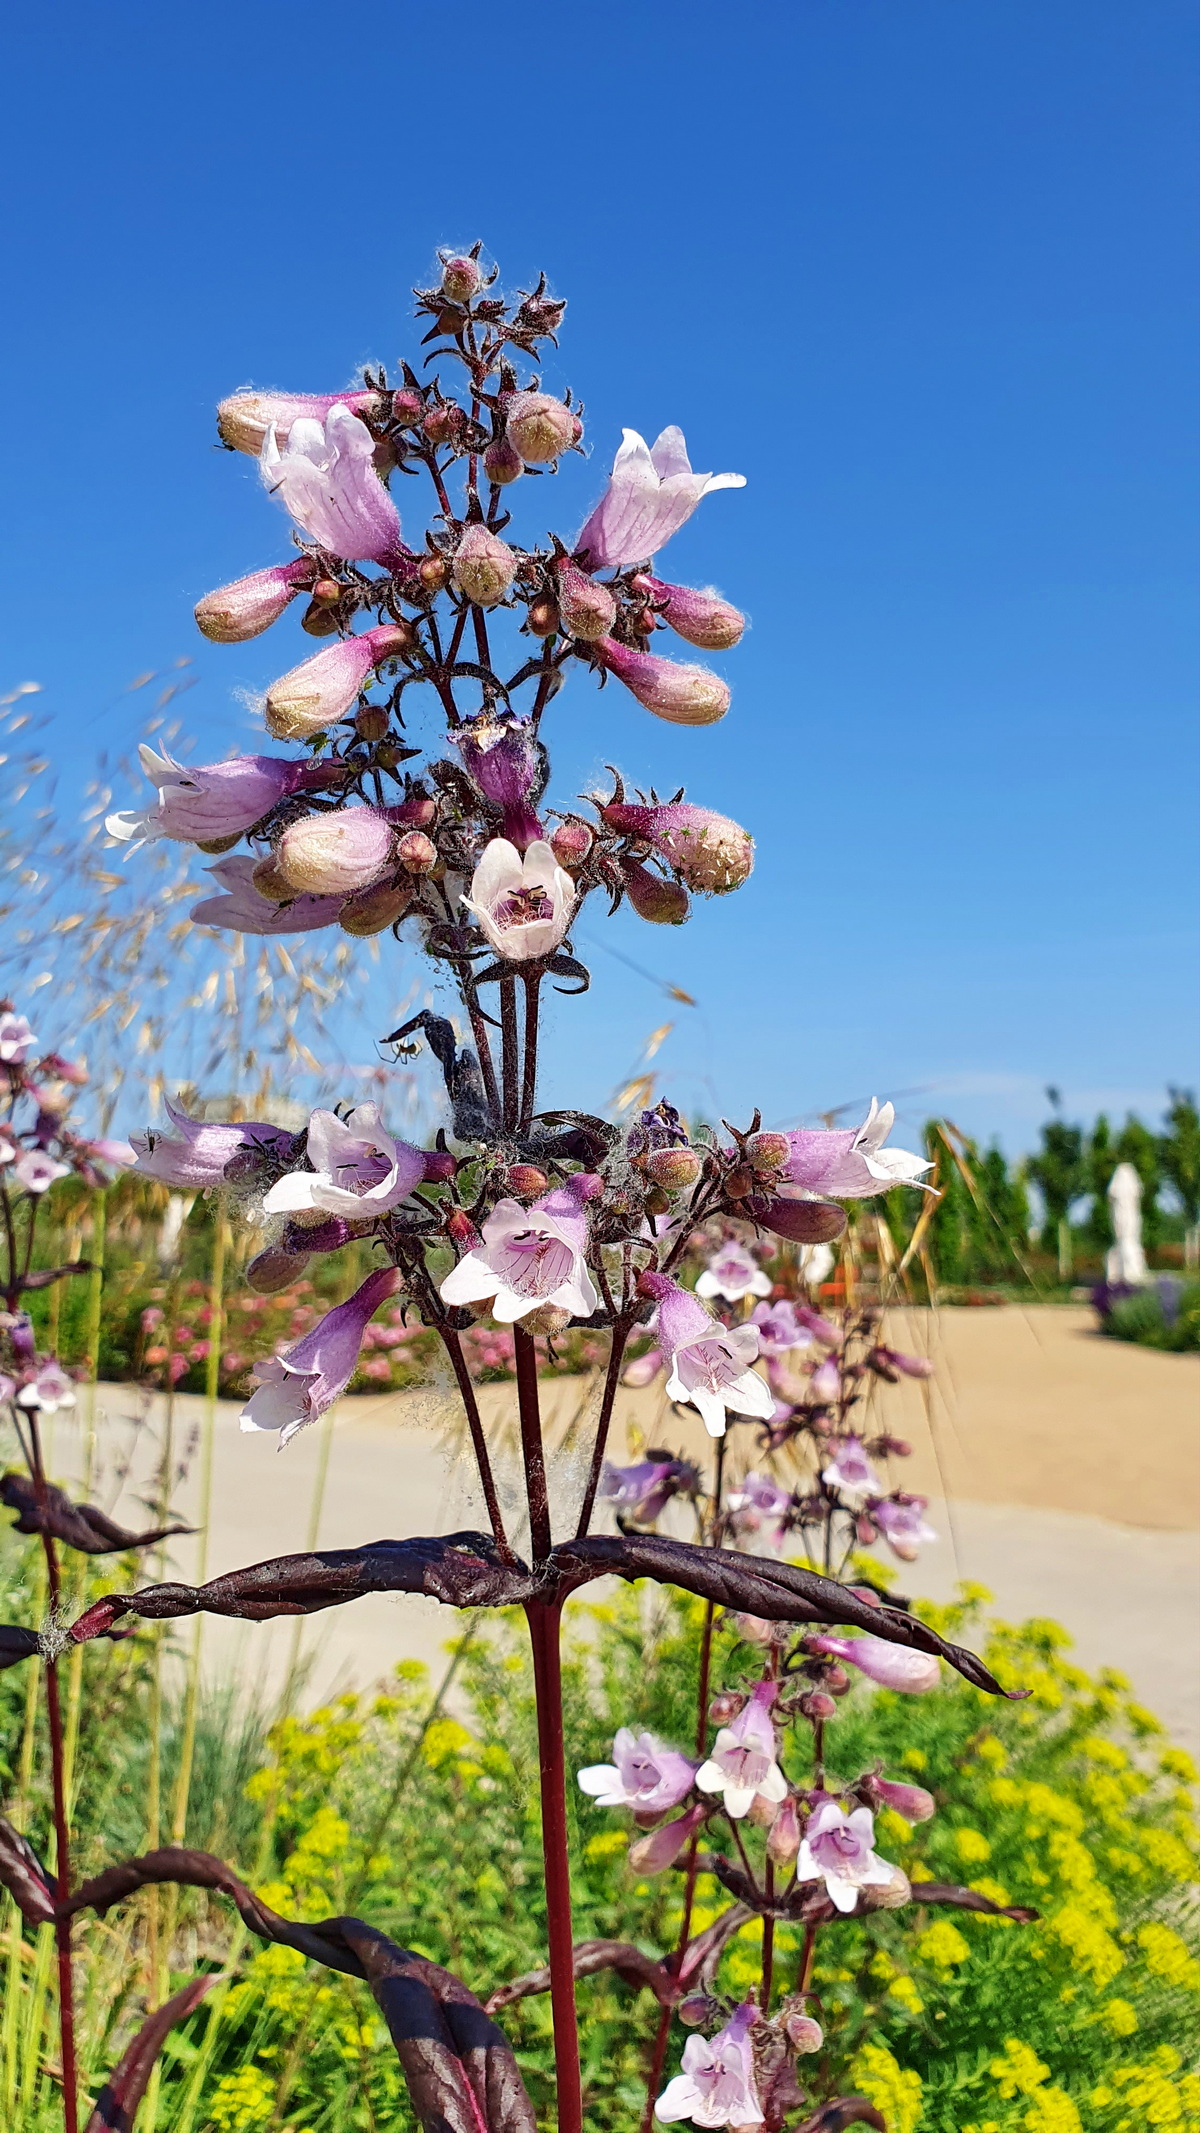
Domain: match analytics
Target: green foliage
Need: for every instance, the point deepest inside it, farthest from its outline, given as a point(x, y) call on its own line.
point(1141, 1318)
point(1179, 1151)
point(1059, 1169)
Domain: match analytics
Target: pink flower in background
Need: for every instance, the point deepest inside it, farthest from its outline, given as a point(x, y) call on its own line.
point(16, 1040)
point(759, 1505)
point(779, 1328)
point(358, 1169)
point(198, 805)
point(49, 1389)
point(640, 1492)
point(850, 1468)
point(643, 1775)
point(35, 1171)
point(837, 1849)
point(325, 478)
point(890, 1666)
point(852, 1165)
point(295, 1388)
point(524, 904)
point(530, 1256)
point(242, 909)
point(733, 1273)
point(743, 1763)
point(643, 1369)
point(651, 493)
point(120, 1155)
point(901, 1520)
point(199, 1152)
point(717, 2086)
point(891, 1359)
point(822, 1327)
point(825, 1383)
point(710, 1363)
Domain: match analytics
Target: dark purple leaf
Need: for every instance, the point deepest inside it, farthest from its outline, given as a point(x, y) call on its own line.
point(460, 1569)
point(25, 1878)
point(461, 2073)
point(77, 1525)
point(634, 1967)
point(971, 1900)
point(16, 1644)
point(803, 1221)
point(753, 1584)
point(46, 1275)
point(843, 2111)
point(116, 2105)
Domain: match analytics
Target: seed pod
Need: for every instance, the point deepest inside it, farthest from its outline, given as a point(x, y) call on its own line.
point(502, 463)
point(663, 903)
point(374, 910)
point(270, 1271)
point(371, 722)
point(674, 1168)
point(739, 1182)
point(416, 852)
point(524, 1181)
point(271, 882)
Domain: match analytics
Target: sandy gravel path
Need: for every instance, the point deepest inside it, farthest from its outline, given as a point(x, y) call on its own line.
point(1063, 1472)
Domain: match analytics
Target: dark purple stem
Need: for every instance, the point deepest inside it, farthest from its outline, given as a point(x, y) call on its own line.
point(543, 1619)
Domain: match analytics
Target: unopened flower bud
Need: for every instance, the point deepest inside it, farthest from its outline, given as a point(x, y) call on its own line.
point(321, 691)
point(524, 1181)
point(835, 1680)
point(270, 1271)
point(767, 1153)
point(674, 1168)
point(371, 721)
point(725, 1706)
point(462, 278)
point(317, 621)
point(817, 1706)
point(337, 853)
point(444, 423)
point(891, 1666)
point(327, 592)
point(911, 1801)
point(543, 617)
point(890, 1447)
point(540, 426)
point(451, 319)
point(697, 2009)
point(709, 852)
point(866, 1533)
point(218, 844)
point(502, 463)
point(739, 1182)
point(250, 605)
point(763, 1812)
point(703, 618)
point(440, 1166)
point(688, 696)
point(374, 910)
point(407, 408)
point(271, 882)
point(434, 572)
point(783, 1843)
point(887, 1895)
point(802, 2033)
point(587, 607)
point(416, 852)
point(654, 1853)
point(664, 903)
point(484, 566)
point(571, 843)
point(244, 419)
point(548, 1319)
point(462, 1231)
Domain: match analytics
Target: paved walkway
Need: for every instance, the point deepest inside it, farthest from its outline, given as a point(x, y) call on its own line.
point(1063, 1471)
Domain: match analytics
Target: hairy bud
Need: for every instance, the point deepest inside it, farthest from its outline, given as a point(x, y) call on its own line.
point(664, 903)
point(801, 2031)
point(709, 852)
point(571, 843)
point(548, 1319)
point(783, 1842)
point(739, 1182)
point(374, 910)
point(250, 605)
point(244, 419)
point(767, 1153)
point(817, 1706)
point(444, 423)
point(416, 852)
point(502, 463)
point(270, 1271)
point(697, 2009)
point(702, 618)
point(543, 617)
point(315, 695)
point(688, 696)
point(271, 882)
point(587, 607)
point(911, 1801)
point(371, 721)
point(523, 1180)
point(484, 566)
point(539, 426)
point(462, 278)
point(335, 854)
point(434, 572)
point(661, 1848)
point(461, 1229)
point(407, 408)
point(725, 1706)
point(673, 1168)
point(887, 1895)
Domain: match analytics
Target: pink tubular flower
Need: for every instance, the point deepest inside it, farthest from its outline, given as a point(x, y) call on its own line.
point(502, 758)
point(779, 1329)
point(35, 1171)
point(643, 1369)
point(198, 1156)
point(295, 1388)
point(837, 1850)
point(890, 1666)
point(640, 1492)
point(822, 1327)
point(524, 905)
point(759, 1505)
point(709, 852)
point(49, 1388)
point(121, 1155)
point(743, 1763)
point(16, 1040)
point(852, 1165)
point(234, 613)
point(325, 477)
point(245, 418)
point(336, 853)
point(710, 1363)
point(825, 1383)
point(911, 1801)
point(240, 908)
point(702, 618)
point(733, 1273)
point(199, 804)
point(643, 1775)
point(358, 1169)
point(909, 1366)
point(323, 689)
point(651, 493)
point(652, 1854)
point(849, 1467)
point(529, 1256)
point(717, 2086)
point(688, 696)
point(901, 1521)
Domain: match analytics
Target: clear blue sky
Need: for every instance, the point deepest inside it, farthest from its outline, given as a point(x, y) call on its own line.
point(924, 272)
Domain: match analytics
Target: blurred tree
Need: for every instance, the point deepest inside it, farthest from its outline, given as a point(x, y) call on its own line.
point(1102, 1160)
point(1061, 1172)
point(1179, 1152)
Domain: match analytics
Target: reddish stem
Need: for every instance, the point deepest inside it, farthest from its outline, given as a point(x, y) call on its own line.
point(543, 1619)
point(531, 1444)
point(62, 1838)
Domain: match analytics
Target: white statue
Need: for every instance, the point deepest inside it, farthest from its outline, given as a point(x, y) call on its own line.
point(1126, 1260)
